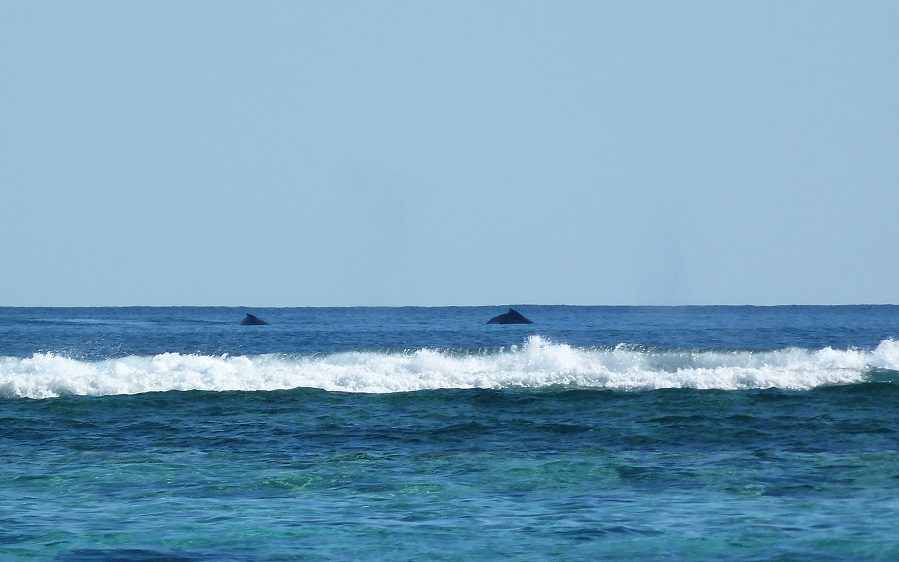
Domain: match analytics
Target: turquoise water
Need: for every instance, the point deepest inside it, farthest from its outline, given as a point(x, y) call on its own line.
point(739, 433)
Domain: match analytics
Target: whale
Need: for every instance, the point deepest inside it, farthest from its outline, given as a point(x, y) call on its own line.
point(511, 317)
point(251, 320)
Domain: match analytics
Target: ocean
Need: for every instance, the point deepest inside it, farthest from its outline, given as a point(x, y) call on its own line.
point(658, 433)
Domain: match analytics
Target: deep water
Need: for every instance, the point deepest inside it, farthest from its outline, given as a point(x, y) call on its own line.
point(672, 433)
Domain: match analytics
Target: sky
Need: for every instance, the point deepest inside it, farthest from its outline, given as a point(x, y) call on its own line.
point(448, 153)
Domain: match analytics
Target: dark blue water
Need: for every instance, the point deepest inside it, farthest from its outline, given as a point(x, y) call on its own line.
point(96, 333)
point(415, 433)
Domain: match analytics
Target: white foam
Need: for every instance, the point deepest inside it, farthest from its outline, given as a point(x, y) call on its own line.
point(538, 363)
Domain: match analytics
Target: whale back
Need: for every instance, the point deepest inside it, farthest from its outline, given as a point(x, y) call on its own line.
point(511, 317)
point(252, 320)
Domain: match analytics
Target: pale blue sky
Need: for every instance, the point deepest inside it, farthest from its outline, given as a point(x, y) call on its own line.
point(454, 153)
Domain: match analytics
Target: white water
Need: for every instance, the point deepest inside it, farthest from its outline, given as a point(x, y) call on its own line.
point(538, 363)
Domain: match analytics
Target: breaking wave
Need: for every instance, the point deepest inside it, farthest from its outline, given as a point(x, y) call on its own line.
point(538, 363)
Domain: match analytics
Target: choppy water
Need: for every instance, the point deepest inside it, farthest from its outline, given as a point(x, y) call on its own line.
point(625, 432)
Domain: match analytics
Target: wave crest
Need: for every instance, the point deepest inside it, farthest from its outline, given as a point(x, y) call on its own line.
point(537, 363)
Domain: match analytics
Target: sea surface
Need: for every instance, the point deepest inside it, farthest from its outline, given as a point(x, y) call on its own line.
point(743, 433)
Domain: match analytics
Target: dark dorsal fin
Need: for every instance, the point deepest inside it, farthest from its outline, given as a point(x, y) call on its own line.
point(251, 320)
point(511, 317)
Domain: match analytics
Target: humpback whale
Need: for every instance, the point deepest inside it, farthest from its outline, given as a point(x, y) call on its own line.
point(250, 320)
point(511, 317)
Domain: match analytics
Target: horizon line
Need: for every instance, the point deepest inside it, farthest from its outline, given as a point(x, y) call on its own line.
point(504, 305)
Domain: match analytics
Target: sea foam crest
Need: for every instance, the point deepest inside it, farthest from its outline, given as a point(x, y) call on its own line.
point(537, 363)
